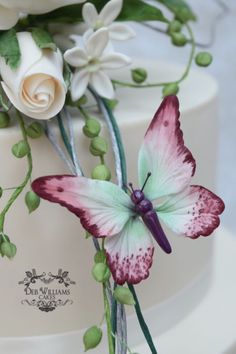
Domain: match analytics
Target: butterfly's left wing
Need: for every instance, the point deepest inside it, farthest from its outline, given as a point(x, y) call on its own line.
point(129, 253)
point(194, 212)
point(164, 154)
point(103, 207)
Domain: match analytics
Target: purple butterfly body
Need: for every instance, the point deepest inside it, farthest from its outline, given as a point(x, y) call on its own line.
point(144, 208)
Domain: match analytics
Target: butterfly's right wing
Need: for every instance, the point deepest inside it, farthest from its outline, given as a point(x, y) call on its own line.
point(103, 207)
point(164, 154)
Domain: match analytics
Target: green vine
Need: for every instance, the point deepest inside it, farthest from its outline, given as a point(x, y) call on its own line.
point(161, 84)
point(21, 187)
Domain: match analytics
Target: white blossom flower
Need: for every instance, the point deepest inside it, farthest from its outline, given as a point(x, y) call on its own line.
point(105, 18)
point(91, 63)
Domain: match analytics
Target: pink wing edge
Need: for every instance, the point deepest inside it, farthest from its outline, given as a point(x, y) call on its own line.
point(172, 103)
point(121, 277)
point(209, 204)
point(39, 187)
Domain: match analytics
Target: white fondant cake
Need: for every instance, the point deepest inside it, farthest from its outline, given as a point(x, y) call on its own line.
point(52, 242)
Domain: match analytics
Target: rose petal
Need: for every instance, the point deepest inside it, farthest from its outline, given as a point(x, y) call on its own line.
point(97, 42)
point(114, 61)
point(79, 84)
point(121, 32)
point(110, 11)
point(90, 14)
point(46, 64)
point(38, 92)
point(27, 45)
point(8, 17)
point(102, 84)
point(76, 57)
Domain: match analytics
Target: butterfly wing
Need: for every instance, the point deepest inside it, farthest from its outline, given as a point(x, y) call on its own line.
point(129, 253)
point(103, 207)
point(164, 154)
point(194, 212)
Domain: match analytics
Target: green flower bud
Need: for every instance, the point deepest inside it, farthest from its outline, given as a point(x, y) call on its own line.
point(98, 146)
point(92, 128)
point(100, 257)
point(111, 103)
point(82, 100)
point(139, 75)
point(5, 238)
point(101, 272)
point(203, 59)
point(174, 26)
point(183, 15)
point(20, 149)
point(32, 201)
point(4, 120)
point(170, 89)
point(1, 192)
point(178, 39)
point(92, 337)
point(101, 172)
point(8, 249)
point(123, 295)
point(35, 130)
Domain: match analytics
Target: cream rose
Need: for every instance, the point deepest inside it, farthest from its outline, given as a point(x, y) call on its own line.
point(36, 87)
point(11, 9)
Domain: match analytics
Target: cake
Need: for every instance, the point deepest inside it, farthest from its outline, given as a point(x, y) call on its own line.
point(53, 250)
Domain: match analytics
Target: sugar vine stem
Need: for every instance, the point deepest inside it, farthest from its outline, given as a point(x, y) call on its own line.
point(192, 53)
point(21, 187)
point(160, 84)
point(108, 321)
point(120, 149)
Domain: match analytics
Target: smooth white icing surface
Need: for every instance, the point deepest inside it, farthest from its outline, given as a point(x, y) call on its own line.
point(51, 238)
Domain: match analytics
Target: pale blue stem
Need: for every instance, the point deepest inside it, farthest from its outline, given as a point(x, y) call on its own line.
point(53, 140)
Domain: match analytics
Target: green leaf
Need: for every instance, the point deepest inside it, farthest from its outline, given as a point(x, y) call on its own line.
point(133, 10)
point(180, 8)
point(43, 39)
point(137, 10)
point(9, 48)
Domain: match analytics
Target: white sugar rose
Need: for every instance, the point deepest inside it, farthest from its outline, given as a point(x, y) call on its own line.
point(36, 88)
point(11, 9)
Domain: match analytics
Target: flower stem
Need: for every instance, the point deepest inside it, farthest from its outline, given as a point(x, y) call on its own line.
point(21, 187)
point(160, 84)
point(123, 182)
point(83, 113)
point(191, 56)
point(108, 321)
point(64, 136)
point(142, 322)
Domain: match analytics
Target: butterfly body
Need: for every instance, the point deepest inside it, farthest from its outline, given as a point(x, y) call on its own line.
point(144, 208)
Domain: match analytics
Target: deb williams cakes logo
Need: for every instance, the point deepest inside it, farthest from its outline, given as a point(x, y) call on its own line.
point(47, 291)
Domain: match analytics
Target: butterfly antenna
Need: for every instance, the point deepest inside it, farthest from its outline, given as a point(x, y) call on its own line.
point(145, 182)
point(131, 186)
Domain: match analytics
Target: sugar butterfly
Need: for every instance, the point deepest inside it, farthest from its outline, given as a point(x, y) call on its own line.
point(130, 221)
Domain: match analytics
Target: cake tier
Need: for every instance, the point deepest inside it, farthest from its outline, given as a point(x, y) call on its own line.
point(51, 239)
